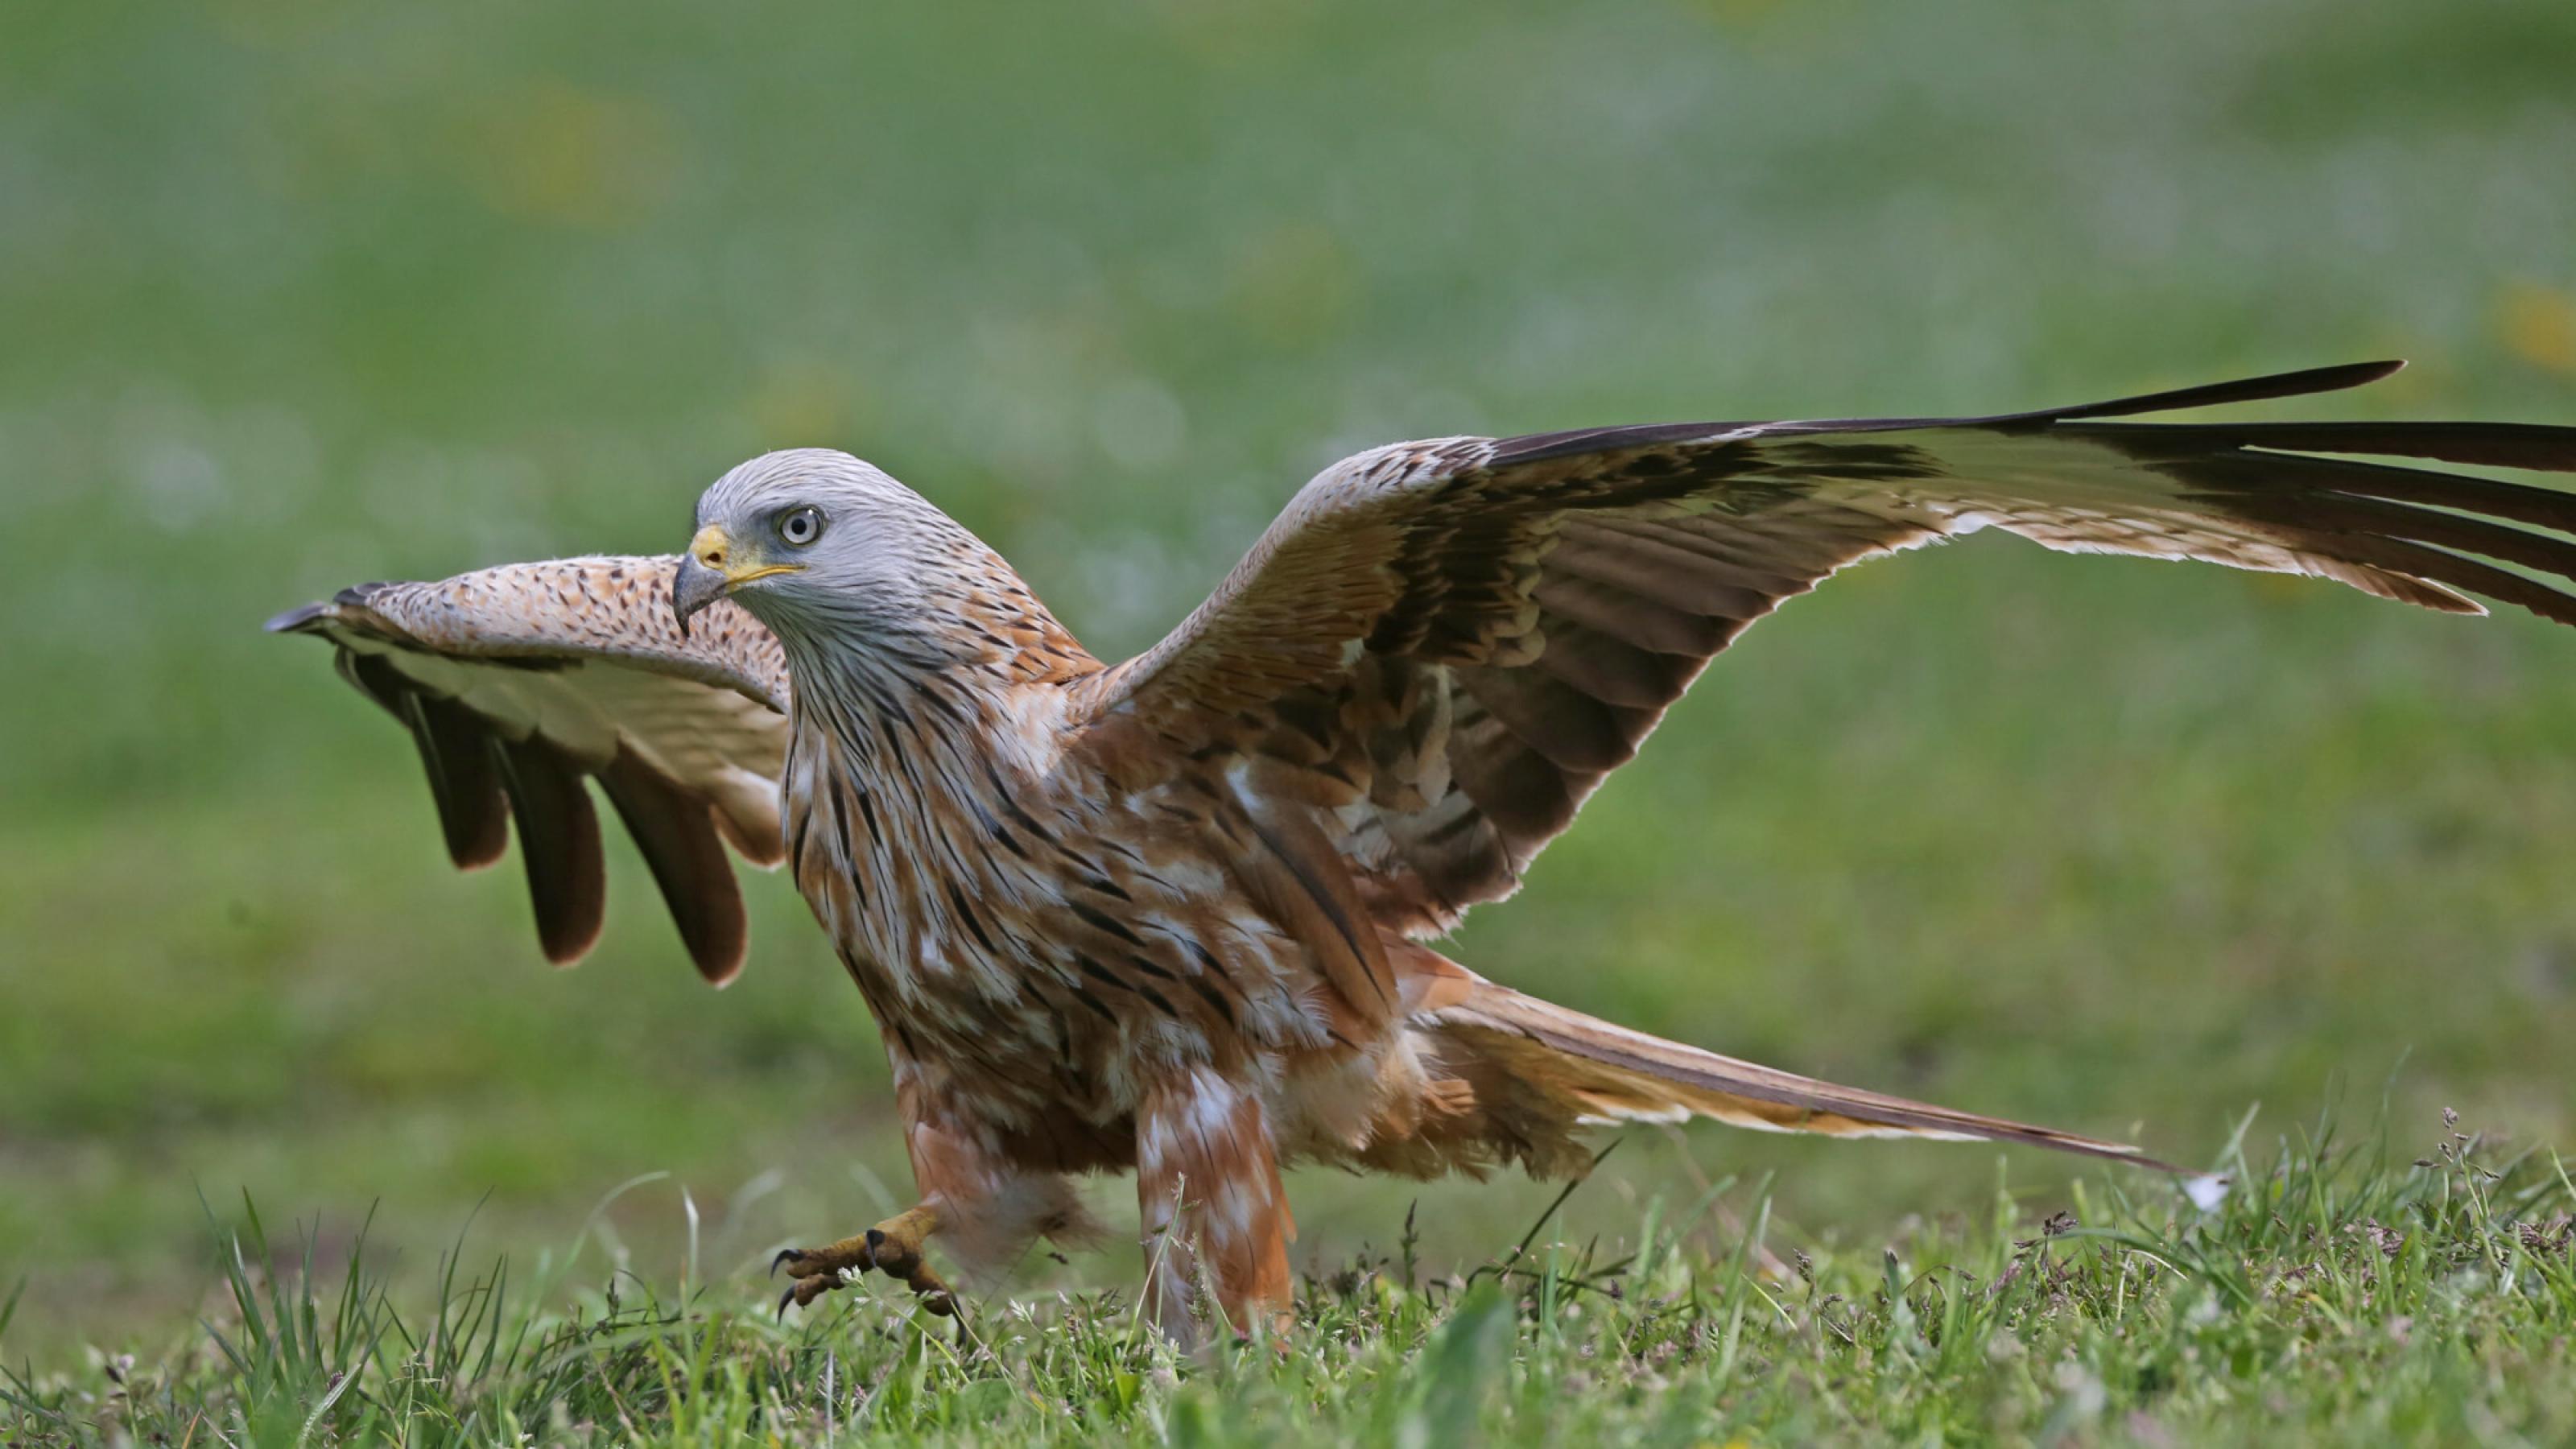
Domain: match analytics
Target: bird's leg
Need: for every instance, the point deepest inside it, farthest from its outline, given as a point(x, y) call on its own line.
point(982, 1201)
point(892, 1247)
point(1213, 1209)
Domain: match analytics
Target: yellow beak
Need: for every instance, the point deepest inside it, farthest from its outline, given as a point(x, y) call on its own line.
point(713, 547)
point(712, 568)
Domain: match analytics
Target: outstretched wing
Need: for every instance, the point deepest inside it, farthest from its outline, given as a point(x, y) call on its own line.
point(1448, 645)
point(520, 682)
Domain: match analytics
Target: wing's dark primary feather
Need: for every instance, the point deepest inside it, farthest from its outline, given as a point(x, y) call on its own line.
point(1540, 447)
point(678, 838)
point(558, 844)
point(455, 753)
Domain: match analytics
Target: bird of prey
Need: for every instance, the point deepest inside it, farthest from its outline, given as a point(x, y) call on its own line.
point(1173, 916)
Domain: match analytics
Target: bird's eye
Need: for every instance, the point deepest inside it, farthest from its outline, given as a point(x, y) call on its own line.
point(801, 526)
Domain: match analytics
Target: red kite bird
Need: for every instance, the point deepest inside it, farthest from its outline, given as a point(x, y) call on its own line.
point(1168, 915)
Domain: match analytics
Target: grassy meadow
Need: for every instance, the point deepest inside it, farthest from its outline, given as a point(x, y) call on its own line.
point(303, 292)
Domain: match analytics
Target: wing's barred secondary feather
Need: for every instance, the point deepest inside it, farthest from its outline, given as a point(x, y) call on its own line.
point(1169, 915)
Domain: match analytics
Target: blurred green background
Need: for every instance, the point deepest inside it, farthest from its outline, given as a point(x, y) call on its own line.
point(301, 292)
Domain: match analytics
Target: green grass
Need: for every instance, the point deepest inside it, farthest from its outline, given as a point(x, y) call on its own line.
point(303, 292)
point(2330, 1296)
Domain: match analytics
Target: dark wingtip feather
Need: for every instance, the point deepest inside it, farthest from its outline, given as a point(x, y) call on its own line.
point(677, 835)
point(559, 845)
point(455, 753)
point(2541, 447)
point(2250, 389)
point(456, 749)
point(1544, 447)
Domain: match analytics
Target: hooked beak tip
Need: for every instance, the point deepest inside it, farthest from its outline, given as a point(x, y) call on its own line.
point(694, 587)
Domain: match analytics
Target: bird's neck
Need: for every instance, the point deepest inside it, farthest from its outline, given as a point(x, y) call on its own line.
point(957, 655)
point(1000, 628)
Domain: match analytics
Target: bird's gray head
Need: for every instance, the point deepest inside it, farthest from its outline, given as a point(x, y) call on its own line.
point(809, 539)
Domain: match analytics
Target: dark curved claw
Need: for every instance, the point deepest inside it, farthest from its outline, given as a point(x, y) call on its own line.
point(780, 1261)
point(784, 1299)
